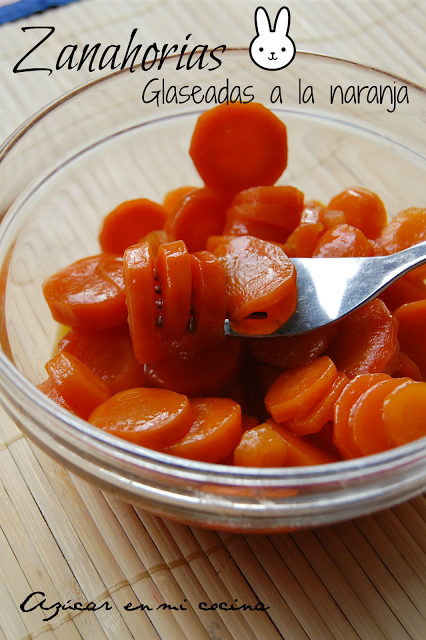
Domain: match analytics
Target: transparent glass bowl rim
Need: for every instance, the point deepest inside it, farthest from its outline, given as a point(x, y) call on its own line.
point(26, 395)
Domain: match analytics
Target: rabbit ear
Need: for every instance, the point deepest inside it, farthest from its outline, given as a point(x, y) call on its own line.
point(261, 19)
point(282, 21)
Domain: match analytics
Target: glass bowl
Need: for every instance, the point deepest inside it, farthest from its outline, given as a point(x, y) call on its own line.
point(124, 136)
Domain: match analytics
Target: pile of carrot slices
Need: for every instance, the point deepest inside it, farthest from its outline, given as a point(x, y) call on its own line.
point(145, 357)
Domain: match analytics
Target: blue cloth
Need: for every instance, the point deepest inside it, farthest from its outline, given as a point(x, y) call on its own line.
point(24, 8)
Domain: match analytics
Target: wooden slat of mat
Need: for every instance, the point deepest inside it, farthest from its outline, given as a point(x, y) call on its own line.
point(302, 606)
point(102, 514)
point(405, 544)
point(145, 548)
point(235, 552)
point(84, 562)
point(37, 530)
point(215, 589)
point(360, 618)
point(21, 583)
point(285, 620)
point(330, 610)
point(382, 578)
point(171, 553)
point(361, 586)
point(388, 552)
point(117, 587)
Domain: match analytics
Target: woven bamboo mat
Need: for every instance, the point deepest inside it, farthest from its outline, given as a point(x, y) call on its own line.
point(70, 541)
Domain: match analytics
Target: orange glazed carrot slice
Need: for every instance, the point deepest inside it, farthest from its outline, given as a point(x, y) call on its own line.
point(294, 351)
point(141, 303)
point(196, 216)
point(404, 413)
point(403, 291)
point(238, 146)
point(343, 241)
point(411, 332)
point(152, 418)
point(289, 197)
point(297, 390)
point(300, 452)
point(342, 435)
point(406, 229)
point(407, 368)
point(321, 412)
point(89, 293)
point(51, 391)
point(208, 294)
point(156, 239)
point(366, 418)
point(363, 209)
point(215, 432)
point(82, 389)
point(302, 242)
point(261, 230)
point(107, 353)
point(175, 282)
point(366, 341)
point(249, 422)
point(276, 315)
point(129, 222)
point(260, 446)
point(196, 367)
point(274, 214)
point(172, 197)
point(258, 275)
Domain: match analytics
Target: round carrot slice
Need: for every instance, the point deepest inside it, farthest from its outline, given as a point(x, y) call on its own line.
point(404, 413)
point(407, 368)
point(343, 241)
point(275, 317)
point(366, 418)
point(215, 432)
point(196, 216)
point(208, 294)
point(141, 303)
point(238, 146)
point(89, 293)
point(294, 351)
point(172, 197)
point(288, 197)
point(342, 435)
point(174, 280)
point(363, 209)
point(367, 341)
point(304, 239)
point(407, 228)
point(82, 389)
point(51, 391)
point(321, 412)
point(196, 367)
point(260, 446)
point(297, 390)
point(411, 332)
point(129, 222)
point(156, 239)
point(261, 230)
point(152, 418)
point(258, 275)
point(300, 452)
point(107, 353)
point(403, 291)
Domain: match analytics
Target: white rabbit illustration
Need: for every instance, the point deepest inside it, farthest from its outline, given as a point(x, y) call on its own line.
point(272, 49)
